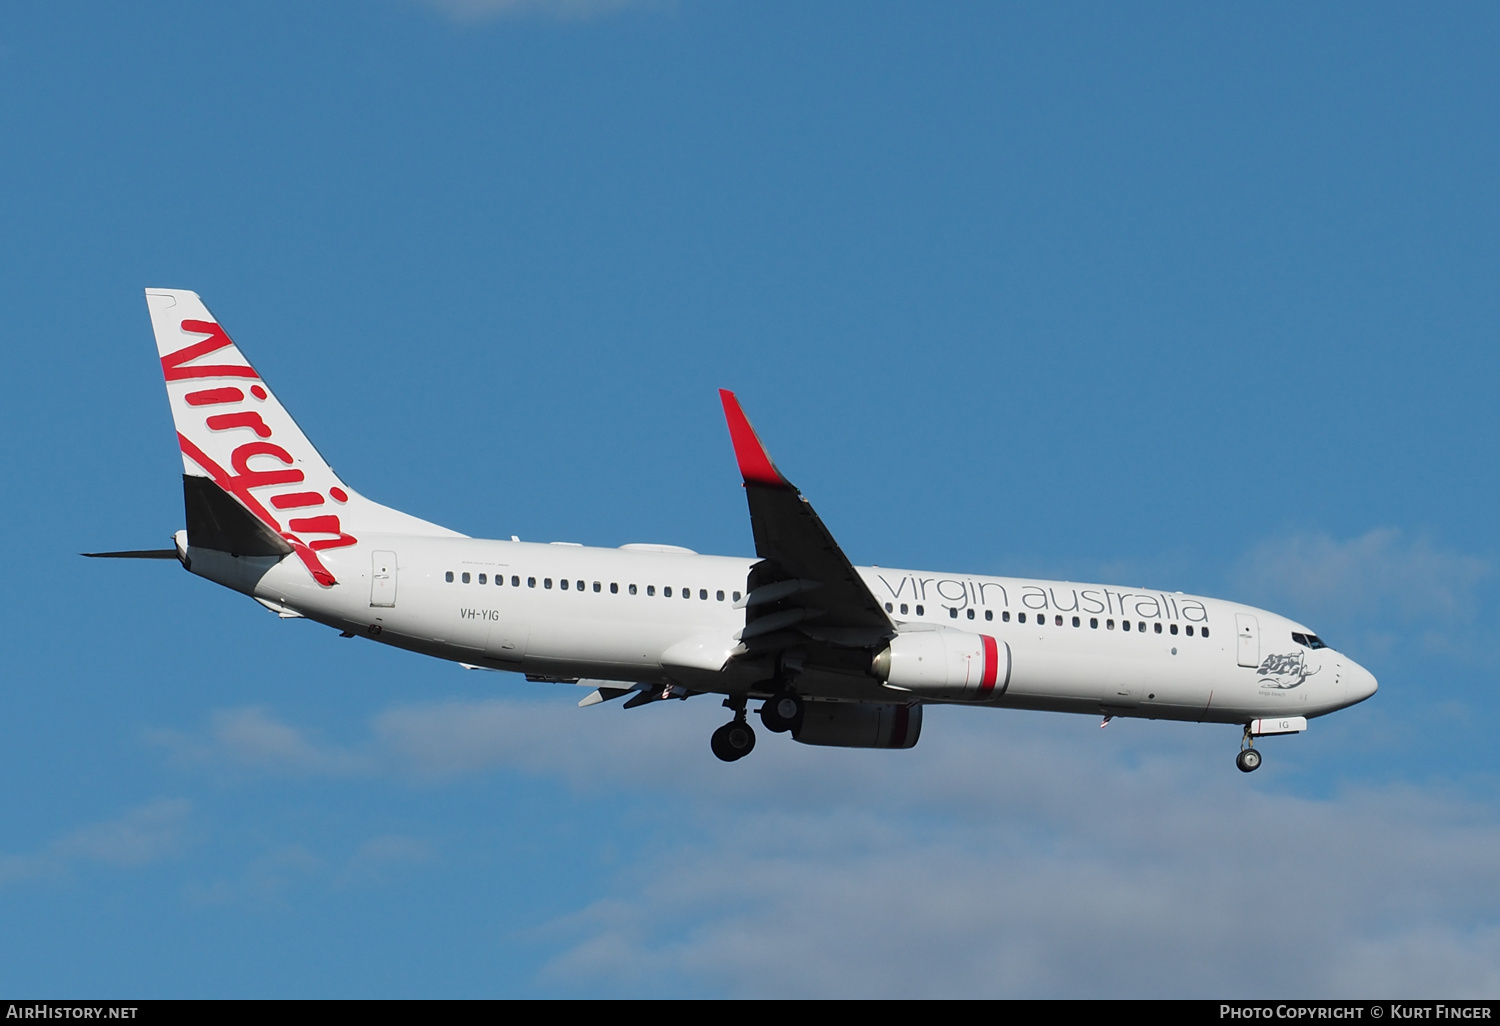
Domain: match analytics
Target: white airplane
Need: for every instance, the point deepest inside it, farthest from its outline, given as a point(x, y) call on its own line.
point(836, 654)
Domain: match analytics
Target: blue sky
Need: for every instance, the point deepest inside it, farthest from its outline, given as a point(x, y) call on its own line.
point(1199, 298)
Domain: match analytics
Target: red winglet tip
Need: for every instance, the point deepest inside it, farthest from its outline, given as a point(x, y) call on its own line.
point(755, 463)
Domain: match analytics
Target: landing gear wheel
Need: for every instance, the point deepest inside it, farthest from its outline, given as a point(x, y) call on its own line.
point(781, 712)
point(734, 740)
point(1248, 760)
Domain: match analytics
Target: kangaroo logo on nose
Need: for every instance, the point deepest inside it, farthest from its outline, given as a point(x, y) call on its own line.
point(1284, 672)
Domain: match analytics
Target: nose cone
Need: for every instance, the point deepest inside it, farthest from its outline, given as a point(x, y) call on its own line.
point(1359, 683)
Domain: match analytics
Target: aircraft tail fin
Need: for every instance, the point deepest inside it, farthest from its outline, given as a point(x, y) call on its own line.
point(250, 476)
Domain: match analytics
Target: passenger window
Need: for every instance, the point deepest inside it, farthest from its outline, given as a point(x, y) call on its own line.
point(614, 588)
point(920, 612)
point(1094, 622)
point(1124, 625)
point(1109, 625)
point(651, 589)
point(703, 594)
point(665, 592)
point(1172, 628)
point(563, 584)
point(1205, 632)
point(720, 596)
point(1005, 616)
point(903, 609)
point(953, 612)
point(546, 582)
point(736, 596)
point(1190, 630)
point(687, 593)
point(1141, 627)
point(971, 614)
point(483, 579)
point(515, 582)
point(448, 577)
point(1020, 617)
point(989, 614)
point(1059, 619)
point(466, 577)
point(1077, 622)
point(596, 587)
point(1158, 628)
point(888, 608)
point(531, 582)
point(632, 589)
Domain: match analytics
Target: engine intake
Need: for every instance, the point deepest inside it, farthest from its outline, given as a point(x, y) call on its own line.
point(947, 664)
point(860, 724)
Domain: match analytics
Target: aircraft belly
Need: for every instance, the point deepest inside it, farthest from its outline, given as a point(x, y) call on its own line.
point(1162, 685)
point(1042, 671)
point(590, 640)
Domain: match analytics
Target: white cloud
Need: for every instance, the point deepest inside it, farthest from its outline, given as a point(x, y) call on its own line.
point(264, 882)
point(568, 10)
point(377, 861)
point(1008, 855)
point(459, 738)
point(248, 738)
point(145, 834)
point(275, 875)
point(1049, 866)
point(1378, 573)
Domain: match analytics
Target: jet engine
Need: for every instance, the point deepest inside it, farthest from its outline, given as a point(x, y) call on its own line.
point(860, 724)
point(946, 664)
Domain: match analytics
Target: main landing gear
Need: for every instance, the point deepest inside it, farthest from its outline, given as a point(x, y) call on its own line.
point(1249, 759)
point(782, 712)
point(779, 713)
point(735, 739)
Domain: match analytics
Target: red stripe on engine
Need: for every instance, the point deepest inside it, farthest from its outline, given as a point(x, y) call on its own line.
point(991, 666)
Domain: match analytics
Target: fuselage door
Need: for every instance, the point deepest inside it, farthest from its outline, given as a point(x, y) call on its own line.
point(383, 579)
point(1248, 632)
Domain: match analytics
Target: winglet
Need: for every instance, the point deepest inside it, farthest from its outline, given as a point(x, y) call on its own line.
point(755, 463)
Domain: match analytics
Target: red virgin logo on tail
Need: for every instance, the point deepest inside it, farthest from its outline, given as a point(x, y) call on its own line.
point(243, 478)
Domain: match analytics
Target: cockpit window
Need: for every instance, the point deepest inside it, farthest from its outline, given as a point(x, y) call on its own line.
point(1310, 640)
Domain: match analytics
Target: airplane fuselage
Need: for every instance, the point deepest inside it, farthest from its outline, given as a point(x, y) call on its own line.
point(838, 655)
point(567, 612)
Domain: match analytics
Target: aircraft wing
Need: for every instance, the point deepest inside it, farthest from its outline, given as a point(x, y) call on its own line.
point(804, 588)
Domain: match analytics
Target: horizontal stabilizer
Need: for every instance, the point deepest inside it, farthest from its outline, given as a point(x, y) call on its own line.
point(216, 521)
point(134, 554)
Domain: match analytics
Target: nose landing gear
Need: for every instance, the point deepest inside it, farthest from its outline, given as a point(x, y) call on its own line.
point(735, 739)
point(1249, 759)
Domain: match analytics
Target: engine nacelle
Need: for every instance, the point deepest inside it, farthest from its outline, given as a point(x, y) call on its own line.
point(860, 724)
point(947, 664)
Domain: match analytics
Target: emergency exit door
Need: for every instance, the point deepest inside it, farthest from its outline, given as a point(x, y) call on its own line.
point(1248, 632)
